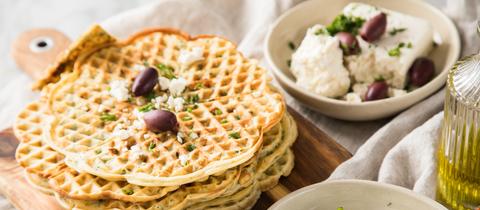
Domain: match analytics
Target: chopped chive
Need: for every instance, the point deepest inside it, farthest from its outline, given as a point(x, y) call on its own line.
point(237, 117)
point(191, 147)
point(151, 146)
point(217, 111)
point(189, 109)
point(108, 117)
point(98, 151)
point(145, 63)
point(235, 135)
point(166, 71)
point(127, 191)
point(146, 108)
point(150, 96)
point(224, 121)
point(193, 99)
point(395, 31)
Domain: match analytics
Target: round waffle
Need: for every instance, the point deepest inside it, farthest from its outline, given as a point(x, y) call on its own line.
point(39, 159)
point(234, 106)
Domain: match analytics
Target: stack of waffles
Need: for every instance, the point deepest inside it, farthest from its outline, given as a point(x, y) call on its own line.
point(86, 142)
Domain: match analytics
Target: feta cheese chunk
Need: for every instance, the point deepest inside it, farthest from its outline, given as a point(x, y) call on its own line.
point(164, 83)
point(405, 39)
point(188, 57)
point(119, 90)
point(318, 65)
point(353, 97)
point(183, 159)
point(176, 103)
point(177, 86)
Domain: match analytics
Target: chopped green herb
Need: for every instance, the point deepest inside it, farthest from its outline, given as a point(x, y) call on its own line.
point(289, 63)
point(108, 117)
point(191, 147)
point(198, 86)
point(235, 135)
point(291, 45)
point(340, 208)
point(189, 109)
point(321, 31)
point(166, 71)
point(217, 111)
point(109, 88)
point(409, 45)
point(395, 52)
point(98, 151)
point(150, 96)
point(147, 107)
point(127, 191)
point(193, 99)
point(151, 146)
point(186, 118)
point(130, 100)
point(237, 117)
point(224, 121)
point(343, 23)
point(395, 31)
point(145, 63)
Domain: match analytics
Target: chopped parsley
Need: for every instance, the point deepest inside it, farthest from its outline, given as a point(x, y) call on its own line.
point(198, 86)
point(151, 146)
point(217, 111)
point(166, 71)
point(98, 151)
point(189, 109)
point(235, 135)
point(147, 107)
point(321, 31)
point(395, 52)
point(193, 99)
point(343, 23)
point(237, 117)
point(291, 45)
point(150, 96)
point(191, 147)
point(395, 31)
point(127, 191)
point(108, 117)
point(186, 118)
point(224, 121)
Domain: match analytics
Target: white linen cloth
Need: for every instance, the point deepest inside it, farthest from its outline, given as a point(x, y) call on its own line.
point(246, 23)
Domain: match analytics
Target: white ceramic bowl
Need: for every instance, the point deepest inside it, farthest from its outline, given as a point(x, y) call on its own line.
point(292, 25)
point(355, 195)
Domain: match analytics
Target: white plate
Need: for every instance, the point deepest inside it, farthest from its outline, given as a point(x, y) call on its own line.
point(355, 195)
point(292, 26)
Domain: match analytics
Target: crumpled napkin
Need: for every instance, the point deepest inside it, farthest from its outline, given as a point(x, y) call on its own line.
point(394, 154)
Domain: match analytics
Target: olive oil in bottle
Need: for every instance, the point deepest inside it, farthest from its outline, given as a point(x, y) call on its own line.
point(458, 185)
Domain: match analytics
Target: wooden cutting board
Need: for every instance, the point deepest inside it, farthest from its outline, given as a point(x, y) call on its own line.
point(316, 154)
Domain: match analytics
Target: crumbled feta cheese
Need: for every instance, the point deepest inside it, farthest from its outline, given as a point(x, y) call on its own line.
point(120, 132)
point(159, 100)
point(175, 103)
point(188, 57)
point(146, 136)
point(138, 124)
point(183, 159)
point(119, 90)
point(138, 114)
point(353, 97)
point(317, 65)
point(164, 83)
point(193, 135)
point(180, 137)
point(135, 152)
point(138, 67)
point(360, 89)
point(177, 86)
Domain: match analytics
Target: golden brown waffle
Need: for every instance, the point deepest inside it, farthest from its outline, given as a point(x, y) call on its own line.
point(39, 183)
point(35, 156)
point(234, 98)
point(282, 167)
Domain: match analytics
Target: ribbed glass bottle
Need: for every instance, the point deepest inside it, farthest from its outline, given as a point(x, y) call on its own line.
point(459, 152)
